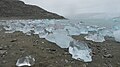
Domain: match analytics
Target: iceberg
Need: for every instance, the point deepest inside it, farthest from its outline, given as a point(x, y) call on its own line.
point(80, 51)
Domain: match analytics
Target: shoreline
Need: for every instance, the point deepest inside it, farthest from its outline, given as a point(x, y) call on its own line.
point(17, 18)
point(48, 54)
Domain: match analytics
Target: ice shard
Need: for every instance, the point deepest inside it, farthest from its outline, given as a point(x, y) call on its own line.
point(25, 61)
point(80, 51)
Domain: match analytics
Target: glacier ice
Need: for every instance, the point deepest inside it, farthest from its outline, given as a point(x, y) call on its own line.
point(80, 51)
point(61, 31)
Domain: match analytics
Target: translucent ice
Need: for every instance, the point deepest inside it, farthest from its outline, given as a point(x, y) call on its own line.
point(92, 28)
point(25, 61)
point(80, 51)
point(72, 30)
point(95, 37)
point(43, 34)
point(83, 30)
point(117, 35)
point(61, 40)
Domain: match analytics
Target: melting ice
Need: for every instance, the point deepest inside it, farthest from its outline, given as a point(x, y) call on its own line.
point(60, 32)
point(25, 61)
point(80, 51)
point(117, 35)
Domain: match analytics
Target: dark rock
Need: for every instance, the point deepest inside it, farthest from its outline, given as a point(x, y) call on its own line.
point(14, 40)
point(22, 49)
point(51, 50)
point(16, 9)
point(1, 48)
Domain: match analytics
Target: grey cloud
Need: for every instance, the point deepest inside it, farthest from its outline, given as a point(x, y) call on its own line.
point(66, 7)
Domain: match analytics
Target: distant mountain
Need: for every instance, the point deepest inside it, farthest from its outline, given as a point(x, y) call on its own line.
point(19, 10)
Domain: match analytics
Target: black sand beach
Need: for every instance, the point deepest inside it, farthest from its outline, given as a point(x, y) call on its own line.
point(47, 54)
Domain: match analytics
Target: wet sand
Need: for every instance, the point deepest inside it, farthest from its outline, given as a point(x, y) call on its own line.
point(47, 54)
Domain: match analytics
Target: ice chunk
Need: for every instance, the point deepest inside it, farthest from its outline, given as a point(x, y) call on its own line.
point(80, 51)
point(72, 30)
point(117, 35)
point(106, 32)
point(50, 28)
point(50, 38)
point(43, 34)
point(60, 39)
point(38, 29)
point(116, 27)
point(25, 61)
point(83, 30)
point(95, 37)
point(92, 28)
point(61, 31)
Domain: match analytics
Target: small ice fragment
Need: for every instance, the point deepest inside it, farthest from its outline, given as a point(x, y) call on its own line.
point(80, 51)
point(117, 35)
point(83, 30)
point(95, 38)
point(25, 61)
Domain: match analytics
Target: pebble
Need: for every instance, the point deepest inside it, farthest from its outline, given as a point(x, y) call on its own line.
point(2, 52)
point(93, 53)
point(84, 65)
point(21, 49)
point(108, 56)
point(66, 61)
point(14, 40)
point(66, 53)
point(1, 48)
point(4, 62)
point(43, 42)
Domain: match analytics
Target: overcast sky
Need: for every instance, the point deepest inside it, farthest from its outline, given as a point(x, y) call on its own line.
point(71, 7)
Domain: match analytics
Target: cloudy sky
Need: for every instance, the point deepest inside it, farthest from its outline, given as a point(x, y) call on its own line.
point(72, 7)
